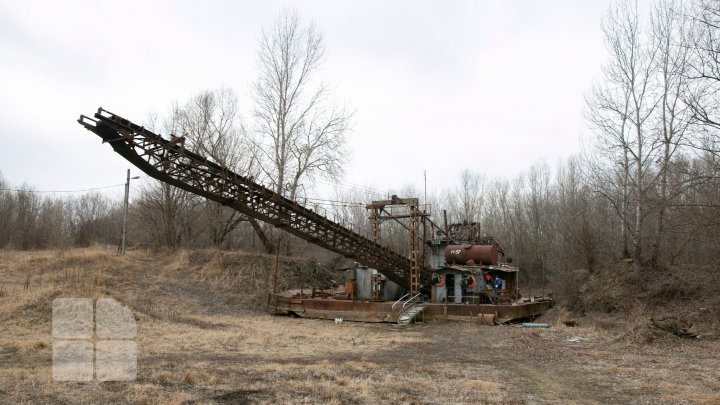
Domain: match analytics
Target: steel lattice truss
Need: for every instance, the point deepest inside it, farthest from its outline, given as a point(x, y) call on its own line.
point(169, 161)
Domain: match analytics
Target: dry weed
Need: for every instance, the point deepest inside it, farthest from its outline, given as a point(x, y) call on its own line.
point(188, 379)
point(199, 341)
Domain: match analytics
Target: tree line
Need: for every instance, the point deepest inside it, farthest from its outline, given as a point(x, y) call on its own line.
point(644, 189)
point(30, 220)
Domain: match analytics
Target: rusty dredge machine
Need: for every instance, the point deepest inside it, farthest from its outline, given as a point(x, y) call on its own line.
point(455, 274)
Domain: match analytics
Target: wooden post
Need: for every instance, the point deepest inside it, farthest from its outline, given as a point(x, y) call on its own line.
point(277, 266)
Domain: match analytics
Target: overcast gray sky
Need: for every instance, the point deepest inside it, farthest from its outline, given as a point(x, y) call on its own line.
point(493, 86)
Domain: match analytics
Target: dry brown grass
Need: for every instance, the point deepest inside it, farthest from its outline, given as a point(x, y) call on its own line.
point(200, 341)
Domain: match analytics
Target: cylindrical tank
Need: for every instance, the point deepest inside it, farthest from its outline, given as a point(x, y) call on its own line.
point(471, 254)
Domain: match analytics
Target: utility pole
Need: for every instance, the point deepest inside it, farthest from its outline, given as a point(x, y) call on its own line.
point(425, 202)
point(125, 212)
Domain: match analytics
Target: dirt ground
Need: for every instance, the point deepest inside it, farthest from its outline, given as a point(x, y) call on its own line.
point(199, 342)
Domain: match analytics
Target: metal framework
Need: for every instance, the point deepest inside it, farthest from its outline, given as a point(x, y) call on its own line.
point(417, 256)
point(169, 161)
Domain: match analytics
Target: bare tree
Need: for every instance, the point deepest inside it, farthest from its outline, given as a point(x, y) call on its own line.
point(56, 222)
point(671, 38)
point(300, 132)
point(7, 207)
point(704, 72)
point(89, 212)
point(27, 209)
point(212, 124)
point(582, 222)
point(467, 205)
point(165, 215)
point(619, 111)
point(536, 216)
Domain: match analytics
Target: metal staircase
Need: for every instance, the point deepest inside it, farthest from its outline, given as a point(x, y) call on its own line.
point(169, 161)
point(408, 308)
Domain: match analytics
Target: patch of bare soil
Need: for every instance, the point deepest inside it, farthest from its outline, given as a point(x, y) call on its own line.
point(199, 343)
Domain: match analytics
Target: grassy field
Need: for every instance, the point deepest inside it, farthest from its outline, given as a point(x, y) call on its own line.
point(202, 339)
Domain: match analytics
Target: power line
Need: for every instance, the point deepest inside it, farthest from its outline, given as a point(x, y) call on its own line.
point(351, 186)
point(61, 191)
point(317, 204)
point(323, 200)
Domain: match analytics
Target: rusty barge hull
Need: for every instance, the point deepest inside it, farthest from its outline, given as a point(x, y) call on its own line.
point(383, 311)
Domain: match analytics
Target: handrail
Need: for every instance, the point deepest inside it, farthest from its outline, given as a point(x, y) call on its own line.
point(398, 301)
point(413, 299)
point(406, 315)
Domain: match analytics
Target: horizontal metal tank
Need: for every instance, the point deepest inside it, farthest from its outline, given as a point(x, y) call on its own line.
point(471, 254)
